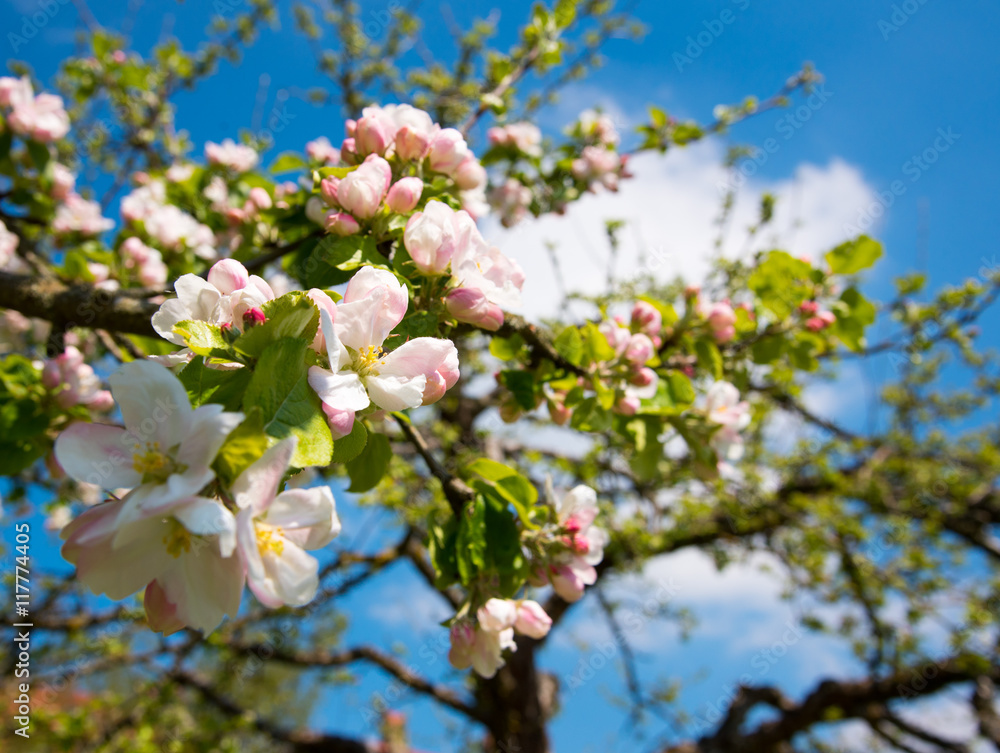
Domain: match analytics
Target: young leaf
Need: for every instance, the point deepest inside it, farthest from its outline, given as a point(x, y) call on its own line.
point(279, 387)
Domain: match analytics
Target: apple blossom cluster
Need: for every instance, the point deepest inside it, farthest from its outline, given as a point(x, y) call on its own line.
point(589, 161)
point(441, 242)
point(599, 163)
point(816, 319)
point(360, 372)
point(163, 225)
point(179, 533)
point(633, 344)
point(398, 140)
point(564, 555)
point(480, 643)
point(72, 381)
point(41, 117)
point(230, 298)
point(522, 137)
point(237, 157)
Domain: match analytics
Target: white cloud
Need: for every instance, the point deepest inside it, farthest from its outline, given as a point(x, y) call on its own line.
point(672, 205)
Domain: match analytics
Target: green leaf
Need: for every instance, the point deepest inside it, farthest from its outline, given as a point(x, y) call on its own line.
point(441, 547)
point(645, 460)
point(223, 386)
point(414, 325)
point(709, 357)
point(513, 487)
point(368, 468)
point(287, 162)
point(347, 448)
point(782, 282)
point(853, 256)
point(470, 543)
point(39, 153)
point(244, 445)
point(521, 385)
point(22, 416)
point(204, 339)
point(674, 394)
point(596, 344)
point(854, 314)
point(503, 544)
point(280, 388)
point(569, 345)
point(768, 349)
point(331, 260)
point(565, 12)
point(507, 348)
point(589, 416)
point(291, 315)
point(16, 456)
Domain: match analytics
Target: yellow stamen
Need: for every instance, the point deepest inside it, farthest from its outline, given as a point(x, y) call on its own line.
point(177, 540)
point(270, 539)
point(368, 360)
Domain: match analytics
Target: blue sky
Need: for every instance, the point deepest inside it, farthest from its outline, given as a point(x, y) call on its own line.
point(892, 88)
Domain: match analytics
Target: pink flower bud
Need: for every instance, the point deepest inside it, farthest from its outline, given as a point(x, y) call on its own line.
point(627, 405)
point(404, 195)
point(341, 224)
point(361, 191)
point(821, 321)
point(102, 401)
point(350, 127)
point(118, 56)
point(341, 421)
point(469, 174)
point(349, 153)
point(448, 150)
point(497, 614)
point(470, 305)
point(328, 190)
point(411, 144)
point(809, 307)
point(721, 320)
point(559, 413)
point(643, 377)
point(640, 349)
point(646, 318)
point(252, 317)
point(51, 375)
point(260, 198)
point(532, 620)
point(228, 275)
point(370, 137)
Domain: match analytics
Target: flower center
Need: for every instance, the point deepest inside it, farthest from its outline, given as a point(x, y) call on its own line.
point(368, 360)
point(270, 539)
point(151, 462)
point(177, 539)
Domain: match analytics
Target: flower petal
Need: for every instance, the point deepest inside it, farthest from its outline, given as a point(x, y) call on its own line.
point(153, 402)
point(312, 512)
point(97, 454)
point(209, 517)
point(209, 427)
point(257, 485)
point(396, 392)
point(115, 572)
point(291, 577)
point(342, 390)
